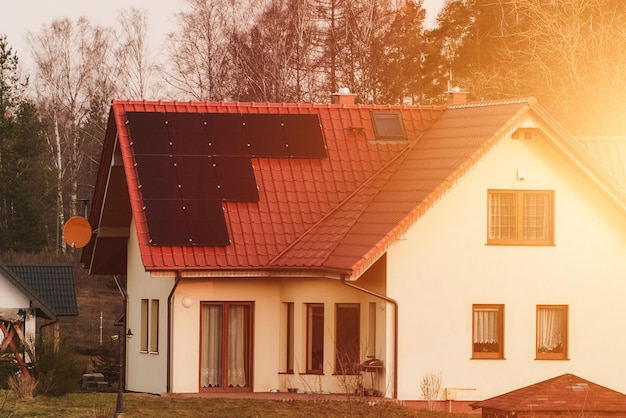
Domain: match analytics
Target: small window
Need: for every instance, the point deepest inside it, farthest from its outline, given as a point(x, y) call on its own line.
point(154, 326)
point(551, 332)
point(144, 325)
point(520, 217)
point(488, 331)
point(315, 338)
point(388, 126)
point(287, 338)
point(149, 325)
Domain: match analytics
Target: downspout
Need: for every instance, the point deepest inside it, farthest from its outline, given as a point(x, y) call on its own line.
point(41, 327)
point(395, 328)
point(168, 384)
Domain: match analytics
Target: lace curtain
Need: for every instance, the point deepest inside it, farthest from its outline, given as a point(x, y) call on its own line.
point(501, 216)
point(536, 216)
point(486, 326)
point(549, 329)
point(211, 346)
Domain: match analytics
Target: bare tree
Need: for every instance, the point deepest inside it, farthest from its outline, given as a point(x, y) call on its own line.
point(570, 54)
point(199, 61)
point(73, 80)
point(137, 67)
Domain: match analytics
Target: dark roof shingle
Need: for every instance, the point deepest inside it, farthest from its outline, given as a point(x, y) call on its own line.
point(53, 283)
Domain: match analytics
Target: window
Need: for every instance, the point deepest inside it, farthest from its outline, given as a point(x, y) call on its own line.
point(488, 331)
point(388, 126)
point(149, 325)
point(347, 330)
point(520, 217)
point(371, 332)
point(144, 325)
point(287, 341)
point(154, 326)
point(315, 338)
point(225, 345)
point(551, 332)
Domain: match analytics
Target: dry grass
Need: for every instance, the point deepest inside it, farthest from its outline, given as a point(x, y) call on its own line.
point(98, 405)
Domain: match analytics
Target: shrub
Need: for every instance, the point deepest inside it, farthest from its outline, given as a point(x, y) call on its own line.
point(22, 385)
point(59, 371)
point(7, 369)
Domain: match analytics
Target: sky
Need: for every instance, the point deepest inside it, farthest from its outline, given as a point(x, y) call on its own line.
point(18, 17)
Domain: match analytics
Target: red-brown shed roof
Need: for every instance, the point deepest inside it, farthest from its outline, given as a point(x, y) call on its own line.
point(565, 393)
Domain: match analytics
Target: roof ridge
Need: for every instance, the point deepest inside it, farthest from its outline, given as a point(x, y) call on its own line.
point(530, 100)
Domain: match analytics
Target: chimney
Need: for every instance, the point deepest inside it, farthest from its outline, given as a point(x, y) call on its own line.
point(457, 96)
point(343, 96)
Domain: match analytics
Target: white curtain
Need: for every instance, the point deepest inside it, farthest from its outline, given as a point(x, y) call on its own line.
point(549, 329)
point(236, 346)
point(211, 358)
point(486, 326)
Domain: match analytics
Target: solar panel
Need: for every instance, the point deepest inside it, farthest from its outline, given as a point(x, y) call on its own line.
point(188, 163)
point(303, 135)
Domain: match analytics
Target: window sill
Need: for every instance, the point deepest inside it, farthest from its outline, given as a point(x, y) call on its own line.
point(487, 358)
point(289, 372)
point(520, 244)
point(314, 372)
point(551, 359)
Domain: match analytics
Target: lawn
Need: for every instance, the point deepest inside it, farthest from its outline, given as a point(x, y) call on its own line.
point(97, 405)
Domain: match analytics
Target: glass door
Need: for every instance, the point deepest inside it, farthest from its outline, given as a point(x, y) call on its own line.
point(225, 345)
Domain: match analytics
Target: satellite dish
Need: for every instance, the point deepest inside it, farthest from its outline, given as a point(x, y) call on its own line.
point(77, 232)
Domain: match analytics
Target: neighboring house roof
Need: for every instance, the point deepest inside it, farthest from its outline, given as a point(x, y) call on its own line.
point(54, 283)
point(36, 301)
point(610, 151)
point(566, 393)
point(331, 211)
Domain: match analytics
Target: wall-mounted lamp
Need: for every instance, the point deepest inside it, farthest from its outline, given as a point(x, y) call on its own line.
point(187, 302)
point(129, 334)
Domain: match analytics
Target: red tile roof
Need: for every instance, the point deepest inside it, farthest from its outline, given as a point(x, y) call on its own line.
point(330, 216)
point(566, 393)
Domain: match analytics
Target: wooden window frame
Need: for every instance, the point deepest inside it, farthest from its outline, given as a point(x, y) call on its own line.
point(490, 355)
point(564, 354)
point(289, 335)
point(153, 332)
point(145, 325)
point(518, 239)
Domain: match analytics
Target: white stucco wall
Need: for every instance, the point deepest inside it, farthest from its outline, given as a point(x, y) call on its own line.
point(443, 266)
point(268, 296)
point(145, 371)
point(11, 296)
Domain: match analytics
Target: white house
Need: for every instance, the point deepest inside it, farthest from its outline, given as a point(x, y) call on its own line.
point(275, 246)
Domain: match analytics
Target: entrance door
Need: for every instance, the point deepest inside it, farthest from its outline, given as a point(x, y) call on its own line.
point(225, 345)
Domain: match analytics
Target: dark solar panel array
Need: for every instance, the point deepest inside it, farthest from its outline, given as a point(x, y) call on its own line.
point(188, 163)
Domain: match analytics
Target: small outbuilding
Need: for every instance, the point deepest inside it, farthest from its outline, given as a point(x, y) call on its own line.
point(563, 396)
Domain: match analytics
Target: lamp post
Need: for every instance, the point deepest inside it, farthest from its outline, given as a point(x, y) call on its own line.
point(121, 338)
